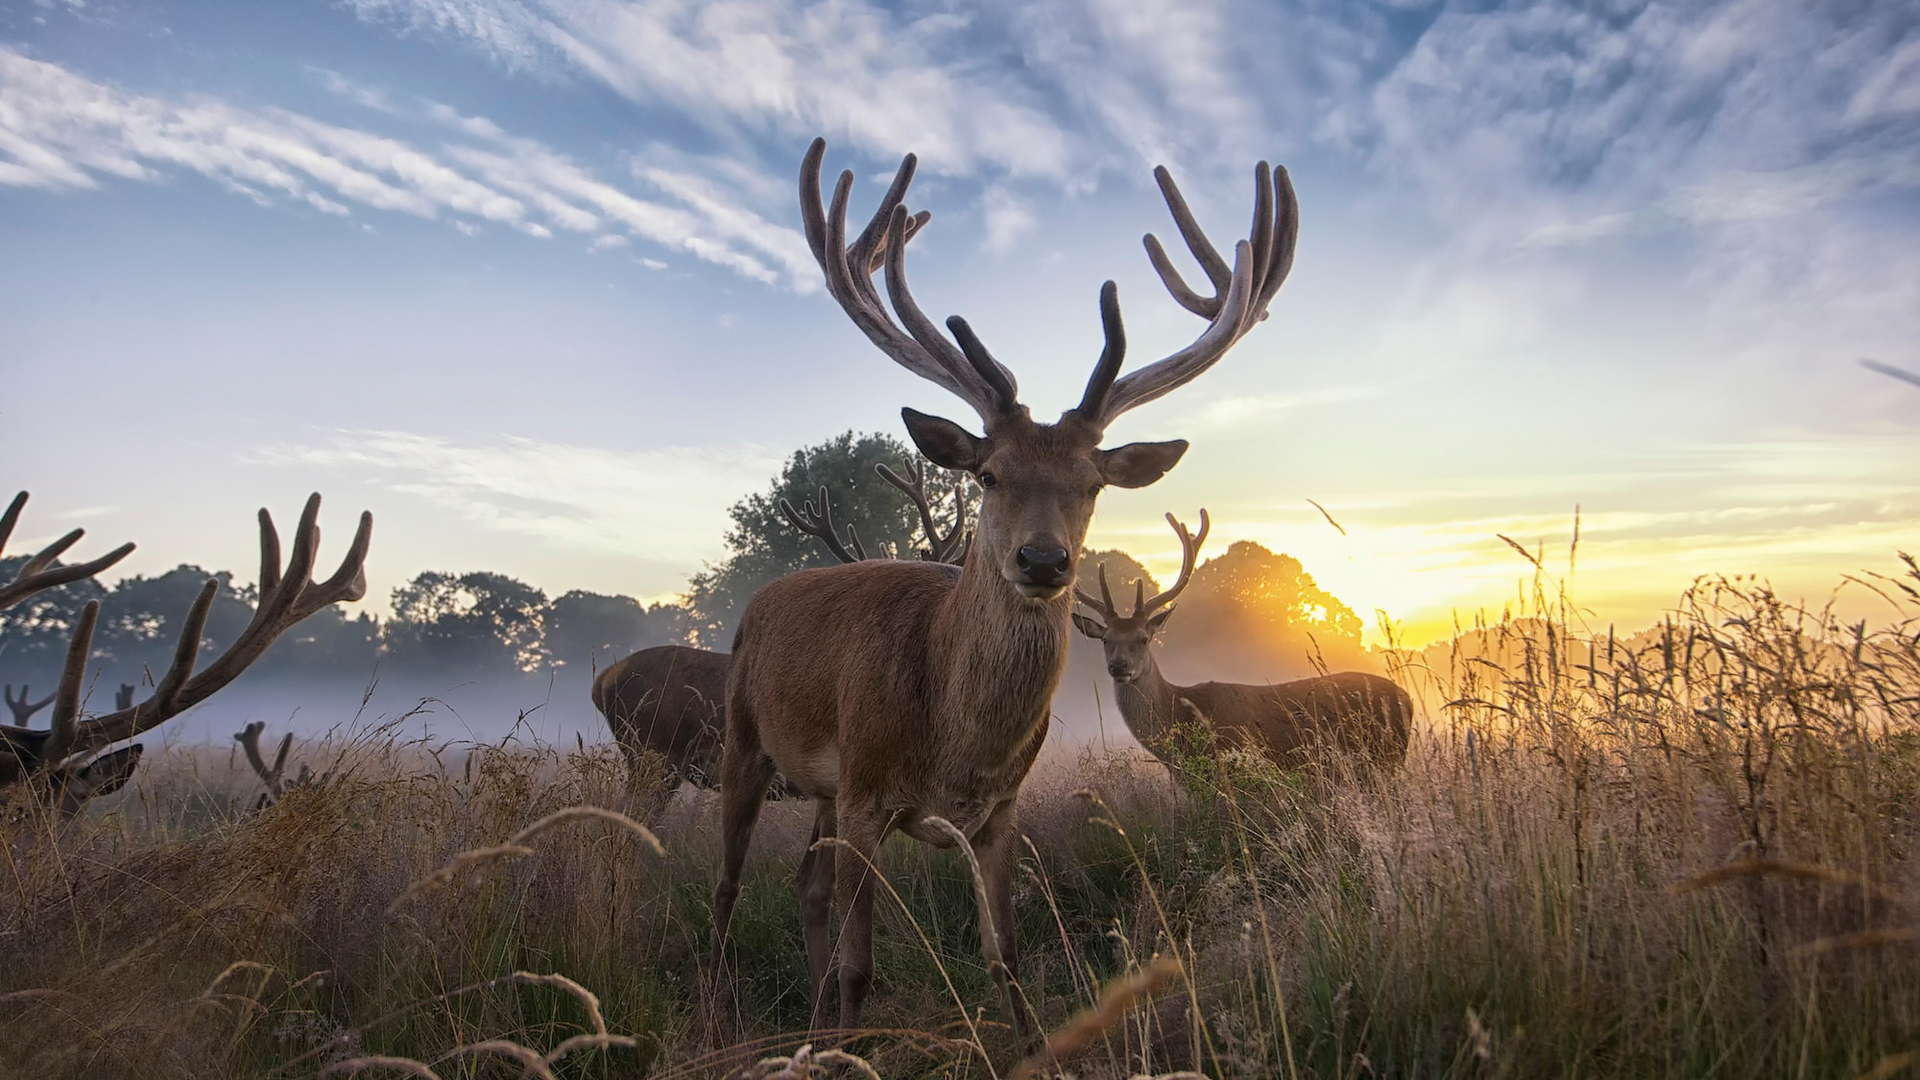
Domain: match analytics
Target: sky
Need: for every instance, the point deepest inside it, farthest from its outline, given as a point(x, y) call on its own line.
point(526, 279)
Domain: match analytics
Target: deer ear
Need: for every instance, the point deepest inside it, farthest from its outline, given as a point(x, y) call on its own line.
point(1136, 465)
point(945, 443)
point(1158, 620)
point(1089, 626)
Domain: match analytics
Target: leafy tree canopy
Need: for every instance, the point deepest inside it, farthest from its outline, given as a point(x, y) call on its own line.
point(477, 621)
point(762, 546)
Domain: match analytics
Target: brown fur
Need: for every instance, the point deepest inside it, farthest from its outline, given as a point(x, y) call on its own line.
point(1293, 723)
point(666, 701)
point(894, 691)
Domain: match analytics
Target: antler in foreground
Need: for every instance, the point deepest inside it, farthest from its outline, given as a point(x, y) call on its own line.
point(40, 572)
point(285, 598)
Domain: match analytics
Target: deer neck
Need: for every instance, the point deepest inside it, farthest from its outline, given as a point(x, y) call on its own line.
point(1001, 656)
point(1146, 704)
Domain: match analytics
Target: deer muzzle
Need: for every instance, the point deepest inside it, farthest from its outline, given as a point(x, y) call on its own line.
point(1045, 569)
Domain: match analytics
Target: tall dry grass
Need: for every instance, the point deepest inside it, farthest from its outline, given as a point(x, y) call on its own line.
point(1689, 852)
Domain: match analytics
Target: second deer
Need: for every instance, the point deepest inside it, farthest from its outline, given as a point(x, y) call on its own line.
point(1293, 724)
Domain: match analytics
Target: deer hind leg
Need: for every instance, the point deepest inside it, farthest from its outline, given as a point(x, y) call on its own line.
point(861, 831)
point(996, 846)
point(815, 882)
point(745, 772)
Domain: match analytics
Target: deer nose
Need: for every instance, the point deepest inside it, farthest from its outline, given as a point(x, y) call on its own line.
point(1045, 565)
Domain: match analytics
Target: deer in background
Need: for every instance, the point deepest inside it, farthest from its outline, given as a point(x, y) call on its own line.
point(1292, 724)
point(61, 760)
point(895, 693)
point(668, 700)
point(275, 777)
point(23, 707)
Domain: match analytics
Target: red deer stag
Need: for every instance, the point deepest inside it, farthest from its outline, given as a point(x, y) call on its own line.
point(898, 692)
point(668, 700)
point(59, 758)
point(1292, 723)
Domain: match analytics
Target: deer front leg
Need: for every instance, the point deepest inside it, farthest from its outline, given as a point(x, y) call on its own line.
point(815, 882)
point(996, 846)
point(862, 828)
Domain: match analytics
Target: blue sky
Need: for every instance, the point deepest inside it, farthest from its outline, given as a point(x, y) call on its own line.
point(526, 278)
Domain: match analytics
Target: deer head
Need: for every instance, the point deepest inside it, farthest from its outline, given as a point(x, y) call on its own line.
point(1127, 638)
point(1040, 480)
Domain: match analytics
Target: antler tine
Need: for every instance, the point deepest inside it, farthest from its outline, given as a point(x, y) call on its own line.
point(280, 759)
point(959, 538)
point(849, 271)
point(1241, 294)
point(39, 573)
point(819, 524)
point(66, 704)
point(939, 549)
point(23, 707)
point(249, 739)
point(1189, 554)
point(286, 597)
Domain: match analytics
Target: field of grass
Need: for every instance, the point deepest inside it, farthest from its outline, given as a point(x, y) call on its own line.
point(1688, 853)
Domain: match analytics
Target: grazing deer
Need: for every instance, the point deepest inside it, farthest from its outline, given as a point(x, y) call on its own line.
point(898, 692)
point(275, 777)
point(59, 758)
point(23, 707)
point(668, 700)
point(1292, 724)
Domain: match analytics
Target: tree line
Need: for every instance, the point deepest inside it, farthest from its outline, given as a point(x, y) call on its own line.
point(1246, 606)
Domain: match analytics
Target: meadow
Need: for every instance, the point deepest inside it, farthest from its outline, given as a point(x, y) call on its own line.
point(1688, 852)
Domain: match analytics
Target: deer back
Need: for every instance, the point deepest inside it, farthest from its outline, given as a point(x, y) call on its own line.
point(1351, 712)
point(669, 699)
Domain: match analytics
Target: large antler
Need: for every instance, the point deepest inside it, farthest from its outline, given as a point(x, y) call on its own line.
point(40, 572)
point(819, 523)
point(285, 599)
point(1240, 295)
point(951, 548)
point(1142, 605)
point(24, 707)
point(967, 370)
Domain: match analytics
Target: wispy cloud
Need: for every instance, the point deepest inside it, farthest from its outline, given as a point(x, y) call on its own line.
point(62, 130)
point(573, 498)
point(883, 79)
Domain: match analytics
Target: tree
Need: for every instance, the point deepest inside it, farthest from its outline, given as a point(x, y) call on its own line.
point(141, 617)
point(1250, 613)
point(589, 631)
point(762, 546)
point(474, 622)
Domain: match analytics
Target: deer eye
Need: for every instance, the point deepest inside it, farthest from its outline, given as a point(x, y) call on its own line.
point(988, 480)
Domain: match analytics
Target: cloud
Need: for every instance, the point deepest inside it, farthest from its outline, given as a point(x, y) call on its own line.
point(573, 498)
point(59, 130)
point(881, 79)
point(1008, 219)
